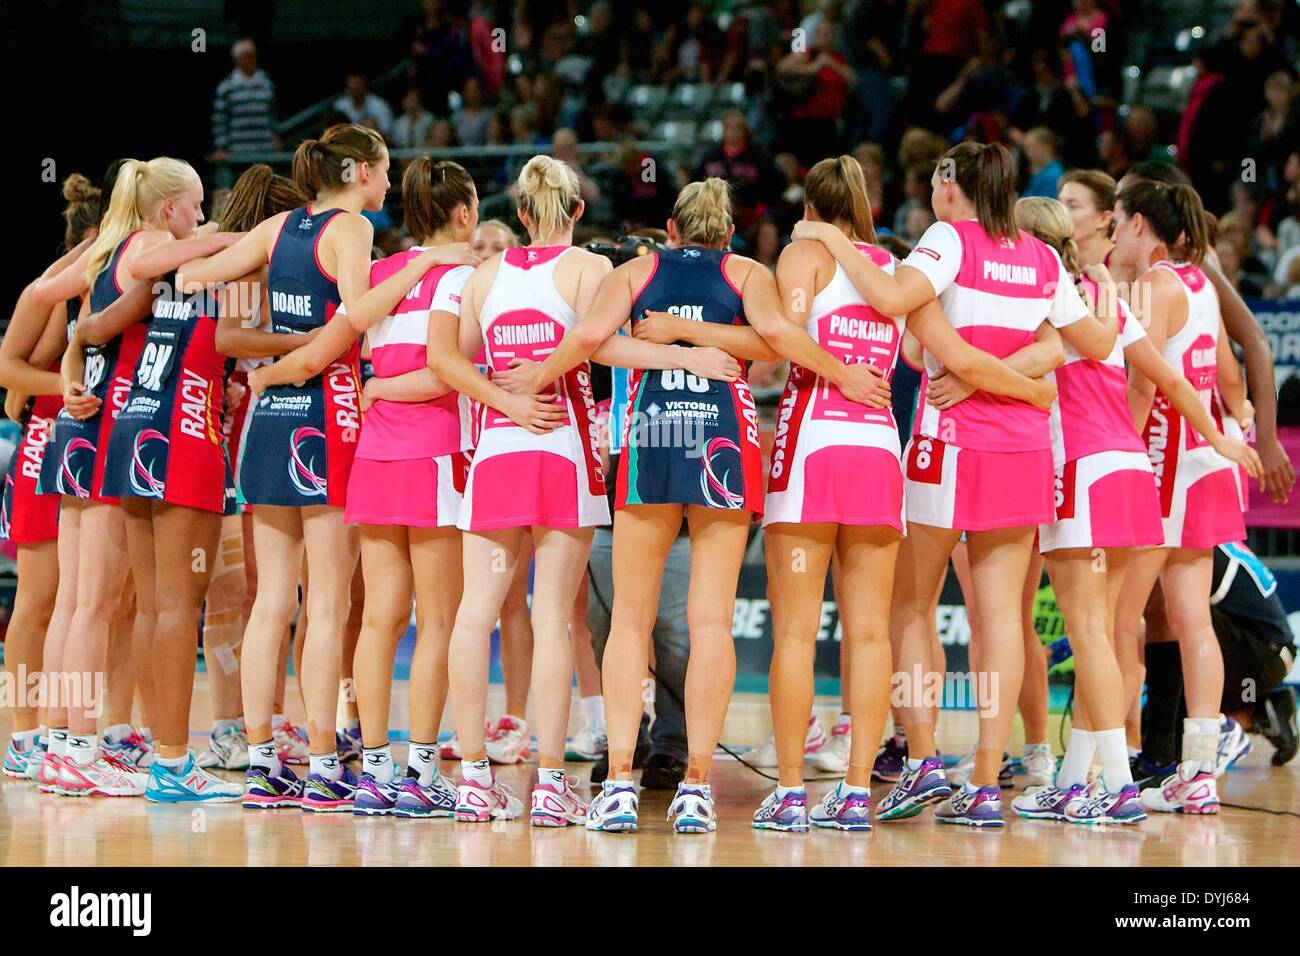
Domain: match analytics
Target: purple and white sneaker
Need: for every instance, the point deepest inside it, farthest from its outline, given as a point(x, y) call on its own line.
point(264, 790)
point(789, 813)
point(843, 809)
point(417, 801)
point(978, 807)
point(915, 790)
point(1047, 803)
point(1102, 807)
point(375, 799)
point(322, 795)
point(891, 761)
point(347, 743)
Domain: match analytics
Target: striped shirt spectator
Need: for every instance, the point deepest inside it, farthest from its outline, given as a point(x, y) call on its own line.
point(243, 113)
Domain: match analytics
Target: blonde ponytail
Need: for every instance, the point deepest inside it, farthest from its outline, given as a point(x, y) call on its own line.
point(1049, 220)
point(703, 213)
point(549, 193)
point(140, 189)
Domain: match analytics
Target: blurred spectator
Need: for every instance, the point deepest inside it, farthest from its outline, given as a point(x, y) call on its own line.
point(1252, 276)
point(746, 165)
point(642, 54)
point(916, 194)
point(764, 242)
point(411, 127)
point(1092, 42)
point(1141, 128)
point(442, 58)
point(1114, 152)
point(1293, 279)
point(359, 105)
point(920, 147)
point(875, 27)
point(643, 190)
point(600, 43)
point(488, 49)
point(978, 98)
point(441, 135)
point(471, 120)
point(872, 160)
point(523, 131)
point(919, 219)
point(818, 81)
point(951, 32)
point(695, 49)
point(1274, 129)
point(564, 147)
point(1047, 101)
point(1045, 168)
point(243, 112)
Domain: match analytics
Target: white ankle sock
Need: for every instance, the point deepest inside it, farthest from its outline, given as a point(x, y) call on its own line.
point(82, 749)
point(326, 765)
point(1077, 760)
point(478, 771)
point(1112, 748)
point(265, 757)
point(378, 762)
point(422, 762)
point(593, 711)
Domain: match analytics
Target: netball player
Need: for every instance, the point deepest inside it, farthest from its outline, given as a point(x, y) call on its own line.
point(406, 483)
point(546, 477)
point(983, 466)
point(298, 453)
point(1199, 501)
point(32, 343)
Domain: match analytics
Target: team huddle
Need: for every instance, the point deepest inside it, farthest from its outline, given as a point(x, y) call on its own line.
point(193, 399)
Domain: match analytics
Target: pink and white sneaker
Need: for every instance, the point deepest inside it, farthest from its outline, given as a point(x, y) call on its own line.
point(1189, 789)
point(509, 741)
point(291, 742)
point(102, 777)
point(833, 757)
point(450, 749)
point(557, 808)
point(476, 803)
point(47, 777)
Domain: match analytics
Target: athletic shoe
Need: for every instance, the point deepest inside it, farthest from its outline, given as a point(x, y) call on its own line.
point(322, 795)
point(981, 807)
point(833, 757)
point(789, 814)
point(1234, 743)
point(915, 790)
point(17, 763)
point(843, 809)
point(551, 807)
point(476, 803)
point(1275, 718)
point(662, 772)
point(34, 762)
point(891, 760)
point(347, 743)
point(375, 799)
point(614, 810)
point(1146, 774)
point(227, 750)
point(47, 775)
point(133, 750)
point(960, 772)
point(1039, 765)
point(1188, 790)
point(292, 743)
point(586, 746)
point(266, 791)
point(692, 809)
point(508, 742)
point(765, 756)
point(101, 777)
point(190, 783)
point(414, 800)
point(1124, 807)
point(1047, 803)
point(450, 749)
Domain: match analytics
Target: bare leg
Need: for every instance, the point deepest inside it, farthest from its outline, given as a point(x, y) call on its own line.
point(517, 635)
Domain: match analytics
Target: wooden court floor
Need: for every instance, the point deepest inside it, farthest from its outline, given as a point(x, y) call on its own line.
point(43, 830)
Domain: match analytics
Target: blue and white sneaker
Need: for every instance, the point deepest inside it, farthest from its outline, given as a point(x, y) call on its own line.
point(843, 809)
point(267, 791)
point(1234, 743)
point(18, 763)
point(789, 813)
point(348, 744)
point(375, 799)
point(615, 808)
point(227, 750)
point(134, 750)
point(322, 795)
point(1098, 806)
point(416, 801)
point(692, 809)
point(915, 790)
point(189, 784)
point(1047, 803)
point(973, 807)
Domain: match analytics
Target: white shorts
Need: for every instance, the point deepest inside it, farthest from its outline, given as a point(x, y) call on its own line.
point(1105, 500)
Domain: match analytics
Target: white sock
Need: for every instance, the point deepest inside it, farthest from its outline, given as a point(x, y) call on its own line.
point(782, 791)
point(265, 757)
point(24, 740)
point(378, 762)
point(326, 765)
point(1133, 752)
point(593, 710)
point(969, 787)
point(422, 762)
point(552, 777)
point(219, 725)
point(1201, 740)
point(1077, 760)
point(1037, 748)
point(171, 763)
point(846, 788)
point(82, 749)
point(1112, 748)
point(478, 771)
point(59, 741)
point(913, 763)
point(117, 733)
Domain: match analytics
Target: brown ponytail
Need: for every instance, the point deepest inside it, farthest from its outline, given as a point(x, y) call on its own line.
point(329, 162)
point(1196, 235)
point(431, 191)
point(837, 189)
point(258, 195)
point(83, 208)
point(1174, 213)
point(984, 174)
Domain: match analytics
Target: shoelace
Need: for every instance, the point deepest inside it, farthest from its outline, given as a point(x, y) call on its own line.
point(117, 763)
point(136, 739)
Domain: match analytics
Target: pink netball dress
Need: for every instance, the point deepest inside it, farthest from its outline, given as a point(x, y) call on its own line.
point(1105, 488)
point(986, 463)
point(518, 479)
point(834, 460)
point(411, 461)
point(1199, 497)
